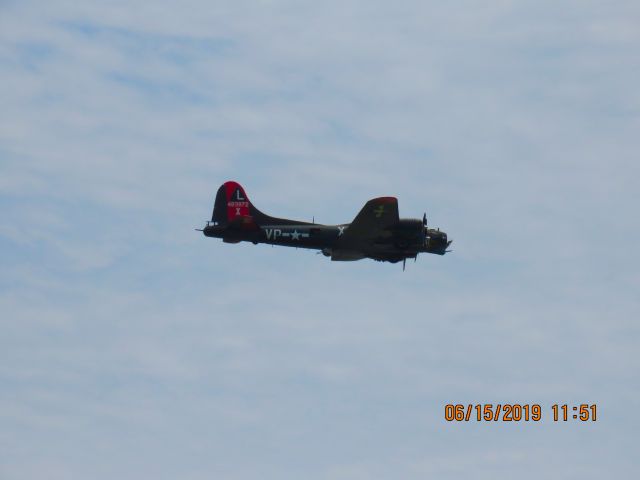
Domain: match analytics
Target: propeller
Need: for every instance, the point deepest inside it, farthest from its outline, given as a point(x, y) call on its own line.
point(448, 243)
point(404, 263)
point(424, 230)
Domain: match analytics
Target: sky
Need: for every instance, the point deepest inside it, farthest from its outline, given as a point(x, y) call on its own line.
point(133, 347)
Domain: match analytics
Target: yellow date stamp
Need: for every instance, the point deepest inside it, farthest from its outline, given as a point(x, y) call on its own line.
point(519, 412)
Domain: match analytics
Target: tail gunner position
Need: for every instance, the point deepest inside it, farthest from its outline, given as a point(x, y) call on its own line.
point(377, 232)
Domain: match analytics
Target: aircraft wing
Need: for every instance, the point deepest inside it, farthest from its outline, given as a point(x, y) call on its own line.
point(372, 222)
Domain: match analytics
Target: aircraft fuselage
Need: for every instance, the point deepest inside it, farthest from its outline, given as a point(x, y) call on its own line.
point(393, 247)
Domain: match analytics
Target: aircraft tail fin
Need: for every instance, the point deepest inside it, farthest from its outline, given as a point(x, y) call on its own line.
point(232, 205)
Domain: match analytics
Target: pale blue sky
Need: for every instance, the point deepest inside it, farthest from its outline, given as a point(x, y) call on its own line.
point(132, 347)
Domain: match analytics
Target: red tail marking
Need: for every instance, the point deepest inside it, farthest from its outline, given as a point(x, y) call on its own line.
point(237, 201)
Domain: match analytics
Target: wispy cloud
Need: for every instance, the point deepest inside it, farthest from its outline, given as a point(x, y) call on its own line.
point(134, 347)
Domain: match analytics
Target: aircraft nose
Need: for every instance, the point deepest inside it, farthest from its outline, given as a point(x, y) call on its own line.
point(441, 242)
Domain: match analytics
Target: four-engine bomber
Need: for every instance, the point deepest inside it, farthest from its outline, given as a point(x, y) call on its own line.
point(377, 232)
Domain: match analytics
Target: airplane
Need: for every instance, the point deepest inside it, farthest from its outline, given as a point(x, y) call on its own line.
point(377, 232)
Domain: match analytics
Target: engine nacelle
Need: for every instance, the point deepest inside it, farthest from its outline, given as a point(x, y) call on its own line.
point(409, 232)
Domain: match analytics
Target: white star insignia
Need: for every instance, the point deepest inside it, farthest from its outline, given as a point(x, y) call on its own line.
point(295, 235)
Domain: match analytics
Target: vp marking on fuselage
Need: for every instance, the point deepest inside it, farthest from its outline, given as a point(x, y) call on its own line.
point(274, 233)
